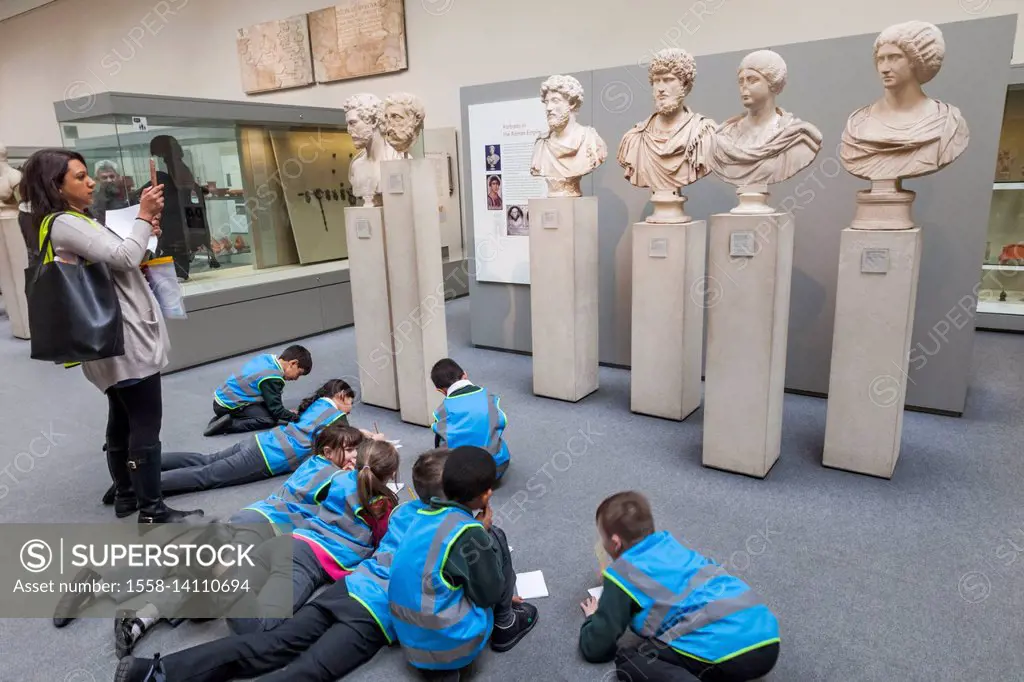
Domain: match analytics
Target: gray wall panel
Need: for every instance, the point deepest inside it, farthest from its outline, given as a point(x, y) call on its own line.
point(828, 79)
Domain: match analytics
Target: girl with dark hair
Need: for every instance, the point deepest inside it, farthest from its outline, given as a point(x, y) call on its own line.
point(337, 514)
point(266, 454)
point(57, 189)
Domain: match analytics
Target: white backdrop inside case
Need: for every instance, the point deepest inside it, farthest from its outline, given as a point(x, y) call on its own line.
point(502, 245)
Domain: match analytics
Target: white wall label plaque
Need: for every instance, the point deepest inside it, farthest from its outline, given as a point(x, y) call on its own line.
point(658, 248)
point(362, 229)
point(874, 261)
point(549, 220)
point(396, 184)
point(140, 124)
point(442, 215)
point(742, 245)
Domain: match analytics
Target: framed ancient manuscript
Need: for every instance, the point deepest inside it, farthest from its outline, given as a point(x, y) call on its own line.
point(275, 55)
point(357, 38)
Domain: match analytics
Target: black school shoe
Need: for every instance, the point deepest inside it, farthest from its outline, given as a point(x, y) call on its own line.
point(72, 603)
point(217, 424)
point(127, 631)
point(131, 669)
point(503, 639)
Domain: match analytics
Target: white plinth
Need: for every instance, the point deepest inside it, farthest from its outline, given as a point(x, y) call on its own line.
point(13, 261)
point(875, 298)
point(750, 267)
point(668, 318)
point(563, 296)
point(371, 306)
point(413, 247)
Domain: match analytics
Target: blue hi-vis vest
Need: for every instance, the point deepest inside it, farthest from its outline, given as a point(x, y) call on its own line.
point(337, 528)
point(690, 603)
point(243, 388)
point(438, 626)
point(368, 585)
point(297, 501)
point(473, 418)
point(285, 447)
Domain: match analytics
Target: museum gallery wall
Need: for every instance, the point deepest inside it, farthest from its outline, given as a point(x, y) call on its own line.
point(828, 79)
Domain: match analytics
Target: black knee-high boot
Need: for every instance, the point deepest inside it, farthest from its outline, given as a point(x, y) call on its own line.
point(121, 494)
point(144, 469)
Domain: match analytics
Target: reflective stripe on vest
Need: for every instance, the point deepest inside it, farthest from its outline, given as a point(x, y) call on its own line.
point(680, 592)
point(285, 447)
point(243, 388)
point(296, 500)
point(433, 588)
point(336, 528)
point(469, 432)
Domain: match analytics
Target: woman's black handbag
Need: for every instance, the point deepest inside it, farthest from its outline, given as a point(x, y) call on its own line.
point(73, 311)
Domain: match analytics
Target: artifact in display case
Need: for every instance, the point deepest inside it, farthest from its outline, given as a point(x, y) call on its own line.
point(364, 116)
point(766, 145)
point(275, 55)
point(669, 149)
point(357, 38)
point(569, 150)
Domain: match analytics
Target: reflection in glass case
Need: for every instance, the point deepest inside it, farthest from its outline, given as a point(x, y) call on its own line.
point(250, 189)
point(1002, 282)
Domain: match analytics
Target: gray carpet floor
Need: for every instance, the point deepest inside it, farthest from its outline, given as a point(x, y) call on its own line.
point(917, 578)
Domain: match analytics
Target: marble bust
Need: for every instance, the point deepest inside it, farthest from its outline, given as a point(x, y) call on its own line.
point(10, 178)
point(569, 150)
point(668, 149)
point(403, 121)
point(766, 144)
point(364, 114)
point(904, 134)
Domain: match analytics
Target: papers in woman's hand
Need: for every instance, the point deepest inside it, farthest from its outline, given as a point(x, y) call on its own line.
point(122, 220)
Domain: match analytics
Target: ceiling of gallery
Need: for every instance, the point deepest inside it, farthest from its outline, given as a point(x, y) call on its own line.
point(12, 8)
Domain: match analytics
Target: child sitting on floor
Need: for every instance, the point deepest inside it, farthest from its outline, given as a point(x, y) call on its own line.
point(452, 583)
point(328, 638)
point(251, 399)
point(469, 415)
point(697, 619)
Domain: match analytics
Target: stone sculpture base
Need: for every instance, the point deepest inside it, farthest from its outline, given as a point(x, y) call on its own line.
point(371, 306)
point(750, 266)
point(563, 296)
point(668, 208)
point(13, 261)
point(886, 206)
point(875, 298)
point(416, 283)
point(753, 201)
point(668, 318)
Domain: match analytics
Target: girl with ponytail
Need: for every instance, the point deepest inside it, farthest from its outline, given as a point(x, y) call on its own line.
point(262, 455)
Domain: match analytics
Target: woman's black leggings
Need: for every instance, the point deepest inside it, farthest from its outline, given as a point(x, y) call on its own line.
point(135, 415)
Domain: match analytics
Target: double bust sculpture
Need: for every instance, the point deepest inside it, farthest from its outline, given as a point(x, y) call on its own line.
point(381, 131)
point(903, 134)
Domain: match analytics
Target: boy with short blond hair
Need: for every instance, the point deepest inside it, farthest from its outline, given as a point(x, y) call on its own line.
point(694, 615)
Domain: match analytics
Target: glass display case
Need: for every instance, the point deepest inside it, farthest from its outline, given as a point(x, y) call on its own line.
point(243, 195)
point(1002, 278)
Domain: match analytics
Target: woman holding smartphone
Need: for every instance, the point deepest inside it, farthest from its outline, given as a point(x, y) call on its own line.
point(56, 181)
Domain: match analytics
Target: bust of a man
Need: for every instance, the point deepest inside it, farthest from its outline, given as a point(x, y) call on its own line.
point(569, 150)
point(364, 115)
point(10, 178)
point(403, 121)
point(668, 150)
point(766, 144)
point(905, 133)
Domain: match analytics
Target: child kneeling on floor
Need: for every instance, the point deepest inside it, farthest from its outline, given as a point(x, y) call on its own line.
point(331, 636)
point(469, 415)
point(452, 581)
point(697, 619)
point(250, 400)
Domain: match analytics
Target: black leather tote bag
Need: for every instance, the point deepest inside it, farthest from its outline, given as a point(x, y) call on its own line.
point(73, 311)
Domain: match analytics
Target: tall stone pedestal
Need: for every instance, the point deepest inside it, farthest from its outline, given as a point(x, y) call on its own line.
point(371, 306)
point(563, 296)
point(13, 261)
point(668, 318)
point(413, 248)
point(875, 299)
point(750, 267)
